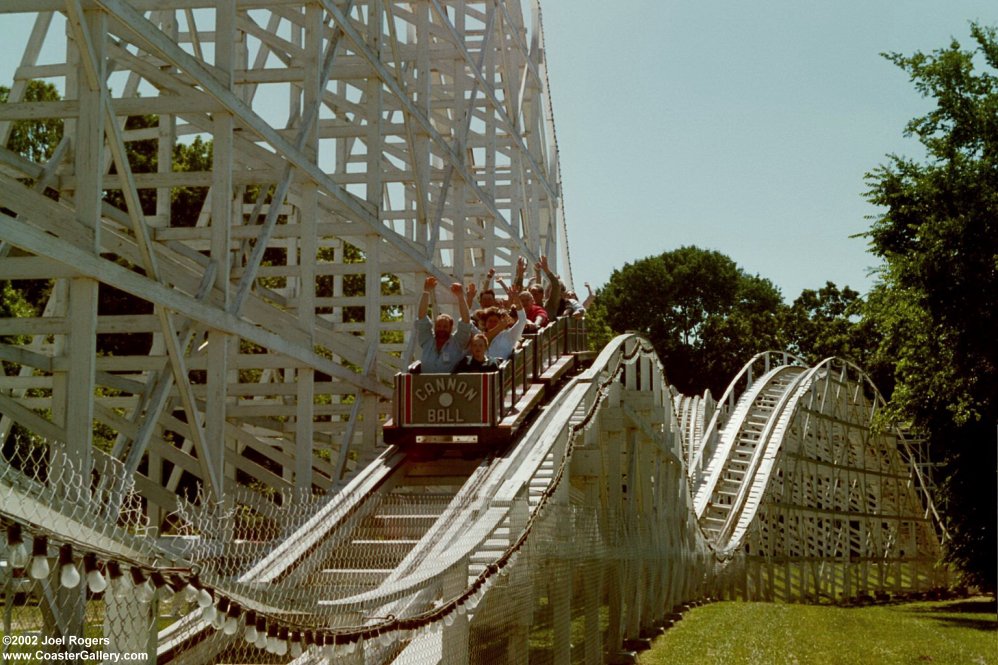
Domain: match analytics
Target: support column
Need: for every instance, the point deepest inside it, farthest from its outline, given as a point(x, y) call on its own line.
point(560, 582)
point(81, 342)
point(81, 351)
point(372, 331)
point(612, 421)
point(594, 633)
point(306, 250)
point(633, 585)
point(560, 596)
point(74, 387)
point(375, 196)
point(455, 636)
point(518, 646)
point(223, 163)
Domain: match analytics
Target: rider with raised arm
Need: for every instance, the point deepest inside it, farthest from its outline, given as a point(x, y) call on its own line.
point(549, 298)
point(504, 330)
point(442, 345)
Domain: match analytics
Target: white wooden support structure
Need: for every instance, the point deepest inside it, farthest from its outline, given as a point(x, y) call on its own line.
point(355, 147)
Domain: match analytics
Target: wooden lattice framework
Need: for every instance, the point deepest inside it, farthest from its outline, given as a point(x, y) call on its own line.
point(833, 505)
point(400, 138)
point(358, 145)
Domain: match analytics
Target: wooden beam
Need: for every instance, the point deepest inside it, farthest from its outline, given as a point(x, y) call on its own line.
point(39, 242)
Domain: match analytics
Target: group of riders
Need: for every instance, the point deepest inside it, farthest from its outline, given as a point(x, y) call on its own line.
point(479, 342)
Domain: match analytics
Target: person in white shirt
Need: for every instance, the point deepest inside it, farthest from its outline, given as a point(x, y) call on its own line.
point(505, 331)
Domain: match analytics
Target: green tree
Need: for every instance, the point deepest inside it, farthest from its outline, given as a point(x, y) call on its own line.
point(598, 331)
point(35, 139)
point(828, 322)
point(704, 315)
point(937, 300)
point(186, 202)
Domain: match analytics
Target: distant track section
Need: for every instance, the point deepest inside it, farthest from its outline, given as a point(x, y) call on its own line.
point(815, 502)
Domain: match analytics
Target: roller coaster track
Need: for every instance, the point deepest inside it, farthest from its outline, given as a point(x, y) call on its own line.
point(815, 505)
point(471, 515)
point(195, 380)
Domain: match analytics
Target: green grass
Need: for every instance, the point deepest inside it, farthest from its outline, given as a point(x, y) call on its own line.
point(733, 633)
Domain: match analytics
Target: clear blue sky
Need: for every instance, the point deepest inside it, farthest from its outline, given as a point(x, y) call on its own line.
point(740, 127)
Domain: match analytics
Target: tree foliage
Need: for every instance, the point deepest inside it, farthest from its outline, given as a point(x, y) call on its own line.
point(830, 322)
point(186, 202)
point(598, 330)
point(704, 315)
point(196, 156)
point(937, 298)
point(34, 139)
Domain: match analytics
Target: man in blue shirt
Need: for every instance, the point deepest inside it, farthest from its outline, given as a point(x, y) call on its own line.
point(442, 346)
